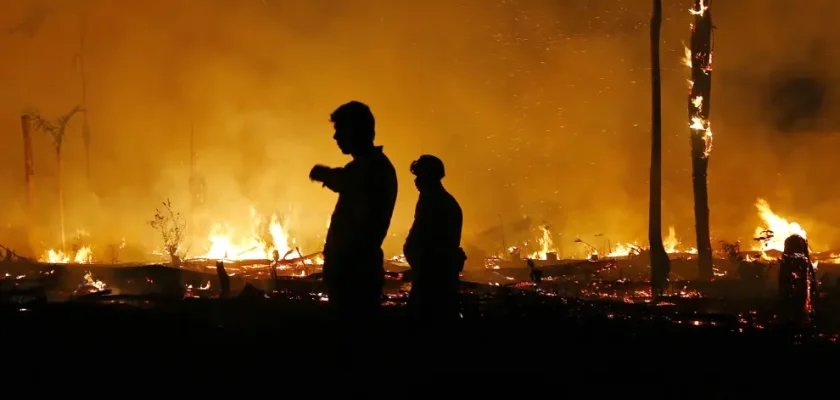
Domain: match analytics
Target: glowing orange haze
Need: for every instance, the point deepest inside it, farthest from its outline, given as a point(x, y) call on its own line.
point(538, 109)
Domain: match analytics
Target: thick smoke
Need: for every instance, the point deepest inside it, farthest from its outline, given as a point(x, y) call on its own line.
point(539, 109)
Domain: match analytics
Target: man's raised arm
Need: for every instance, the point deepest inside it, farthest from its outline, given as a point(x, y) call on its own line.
point(333, 178)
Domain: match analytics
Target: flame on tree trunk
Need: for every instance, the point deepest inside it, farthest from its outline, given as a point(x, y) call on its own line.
point(699, 101)
point(660, 265)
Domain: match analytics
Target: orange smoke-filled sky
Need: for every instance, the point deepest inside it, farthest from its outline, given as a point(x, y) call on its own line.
point(538, 108)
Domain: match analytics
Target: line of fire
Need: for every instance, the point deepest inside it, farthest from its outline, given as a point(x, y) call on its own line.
point(774, 274)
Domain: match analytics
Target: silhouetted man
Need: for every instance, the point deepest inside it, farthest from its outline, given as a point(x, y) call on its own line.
point(367, 190)
point(433, 247)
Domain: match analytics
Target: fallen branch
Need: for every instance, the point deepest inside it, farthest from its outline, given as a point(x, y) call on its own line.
point(209, 262)
point(13, 254)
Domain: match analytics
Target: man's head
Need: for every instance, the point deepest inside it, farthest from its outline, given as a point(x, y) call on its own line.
point(355, 127)
point(428, 171)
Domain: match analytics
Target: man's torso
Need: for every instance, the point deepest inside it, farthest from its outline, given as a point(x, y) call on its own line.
point(362, 215)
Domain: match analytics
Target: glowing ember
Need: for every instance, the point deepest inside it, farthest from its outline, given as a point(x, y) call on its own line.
point(205, 286)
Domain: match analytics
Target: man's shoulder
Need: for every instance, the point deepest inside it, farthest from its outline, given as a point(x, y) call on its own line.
point(384, 165)
point(384, 158)
point(452, 201)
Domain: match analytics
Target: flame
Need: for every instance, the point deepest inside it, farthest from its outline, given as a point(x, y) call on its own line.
point(671, 243)
point(262, 240)
point(686, 60)
point(702, 127)
point(625, 250)
point(702, 9)
point(94, 283)
point(781, 228)
point(84, 255)
point(546, 245)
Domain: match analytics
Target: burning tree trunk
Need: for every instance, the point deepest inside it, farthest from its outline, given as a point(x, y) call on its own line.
point(699, 100)
point(660, 265)
point(56, 129)
point(29, 169)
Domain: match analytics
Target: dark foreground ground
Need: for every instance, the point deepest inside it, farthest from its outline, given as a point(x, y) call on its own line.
point(525, 340)
point(521, 333)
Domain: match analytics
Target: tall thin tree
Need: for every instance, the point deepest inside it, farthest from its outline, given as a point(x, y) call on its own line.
point(660, 265)
point(34, 19)
point(56, 130)
point(699, 104)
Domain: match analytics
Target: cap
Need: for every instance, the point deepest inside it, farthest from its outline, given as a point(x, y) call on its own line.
point(428, 166)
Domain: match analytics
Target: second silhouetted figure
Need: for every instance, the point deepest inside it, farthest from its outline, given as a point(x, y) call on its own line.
point(433, 247)
point(367, 190)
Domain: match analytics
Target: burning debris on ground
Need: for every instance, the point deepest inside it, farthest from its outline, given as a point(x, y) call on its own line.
point(614, 289)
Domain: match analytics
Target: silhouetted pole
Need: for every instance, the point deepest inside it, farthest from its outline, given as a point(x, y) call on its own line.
point(192, 182)
point(699, 101)
point(29, 171)
point(83, 78)
point(660, 265)
point(504, 242)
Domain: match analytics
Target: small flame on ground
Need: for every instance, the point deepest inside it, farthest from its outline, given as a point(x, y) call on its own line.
point(84, 255)
point(90, 281)
point(263, 239)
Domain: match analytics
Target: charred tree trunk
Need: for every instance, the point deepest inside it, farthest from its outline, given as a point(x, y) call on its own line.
point(660, 265)
point(224, 280)
point(797, 281)
point(699, 101)
point(29, 170)
point(60, 196)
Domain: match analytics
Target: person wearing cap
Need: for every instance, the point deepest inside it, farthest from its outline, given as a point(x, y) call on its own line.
point(353, 268)
point(433, 246)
